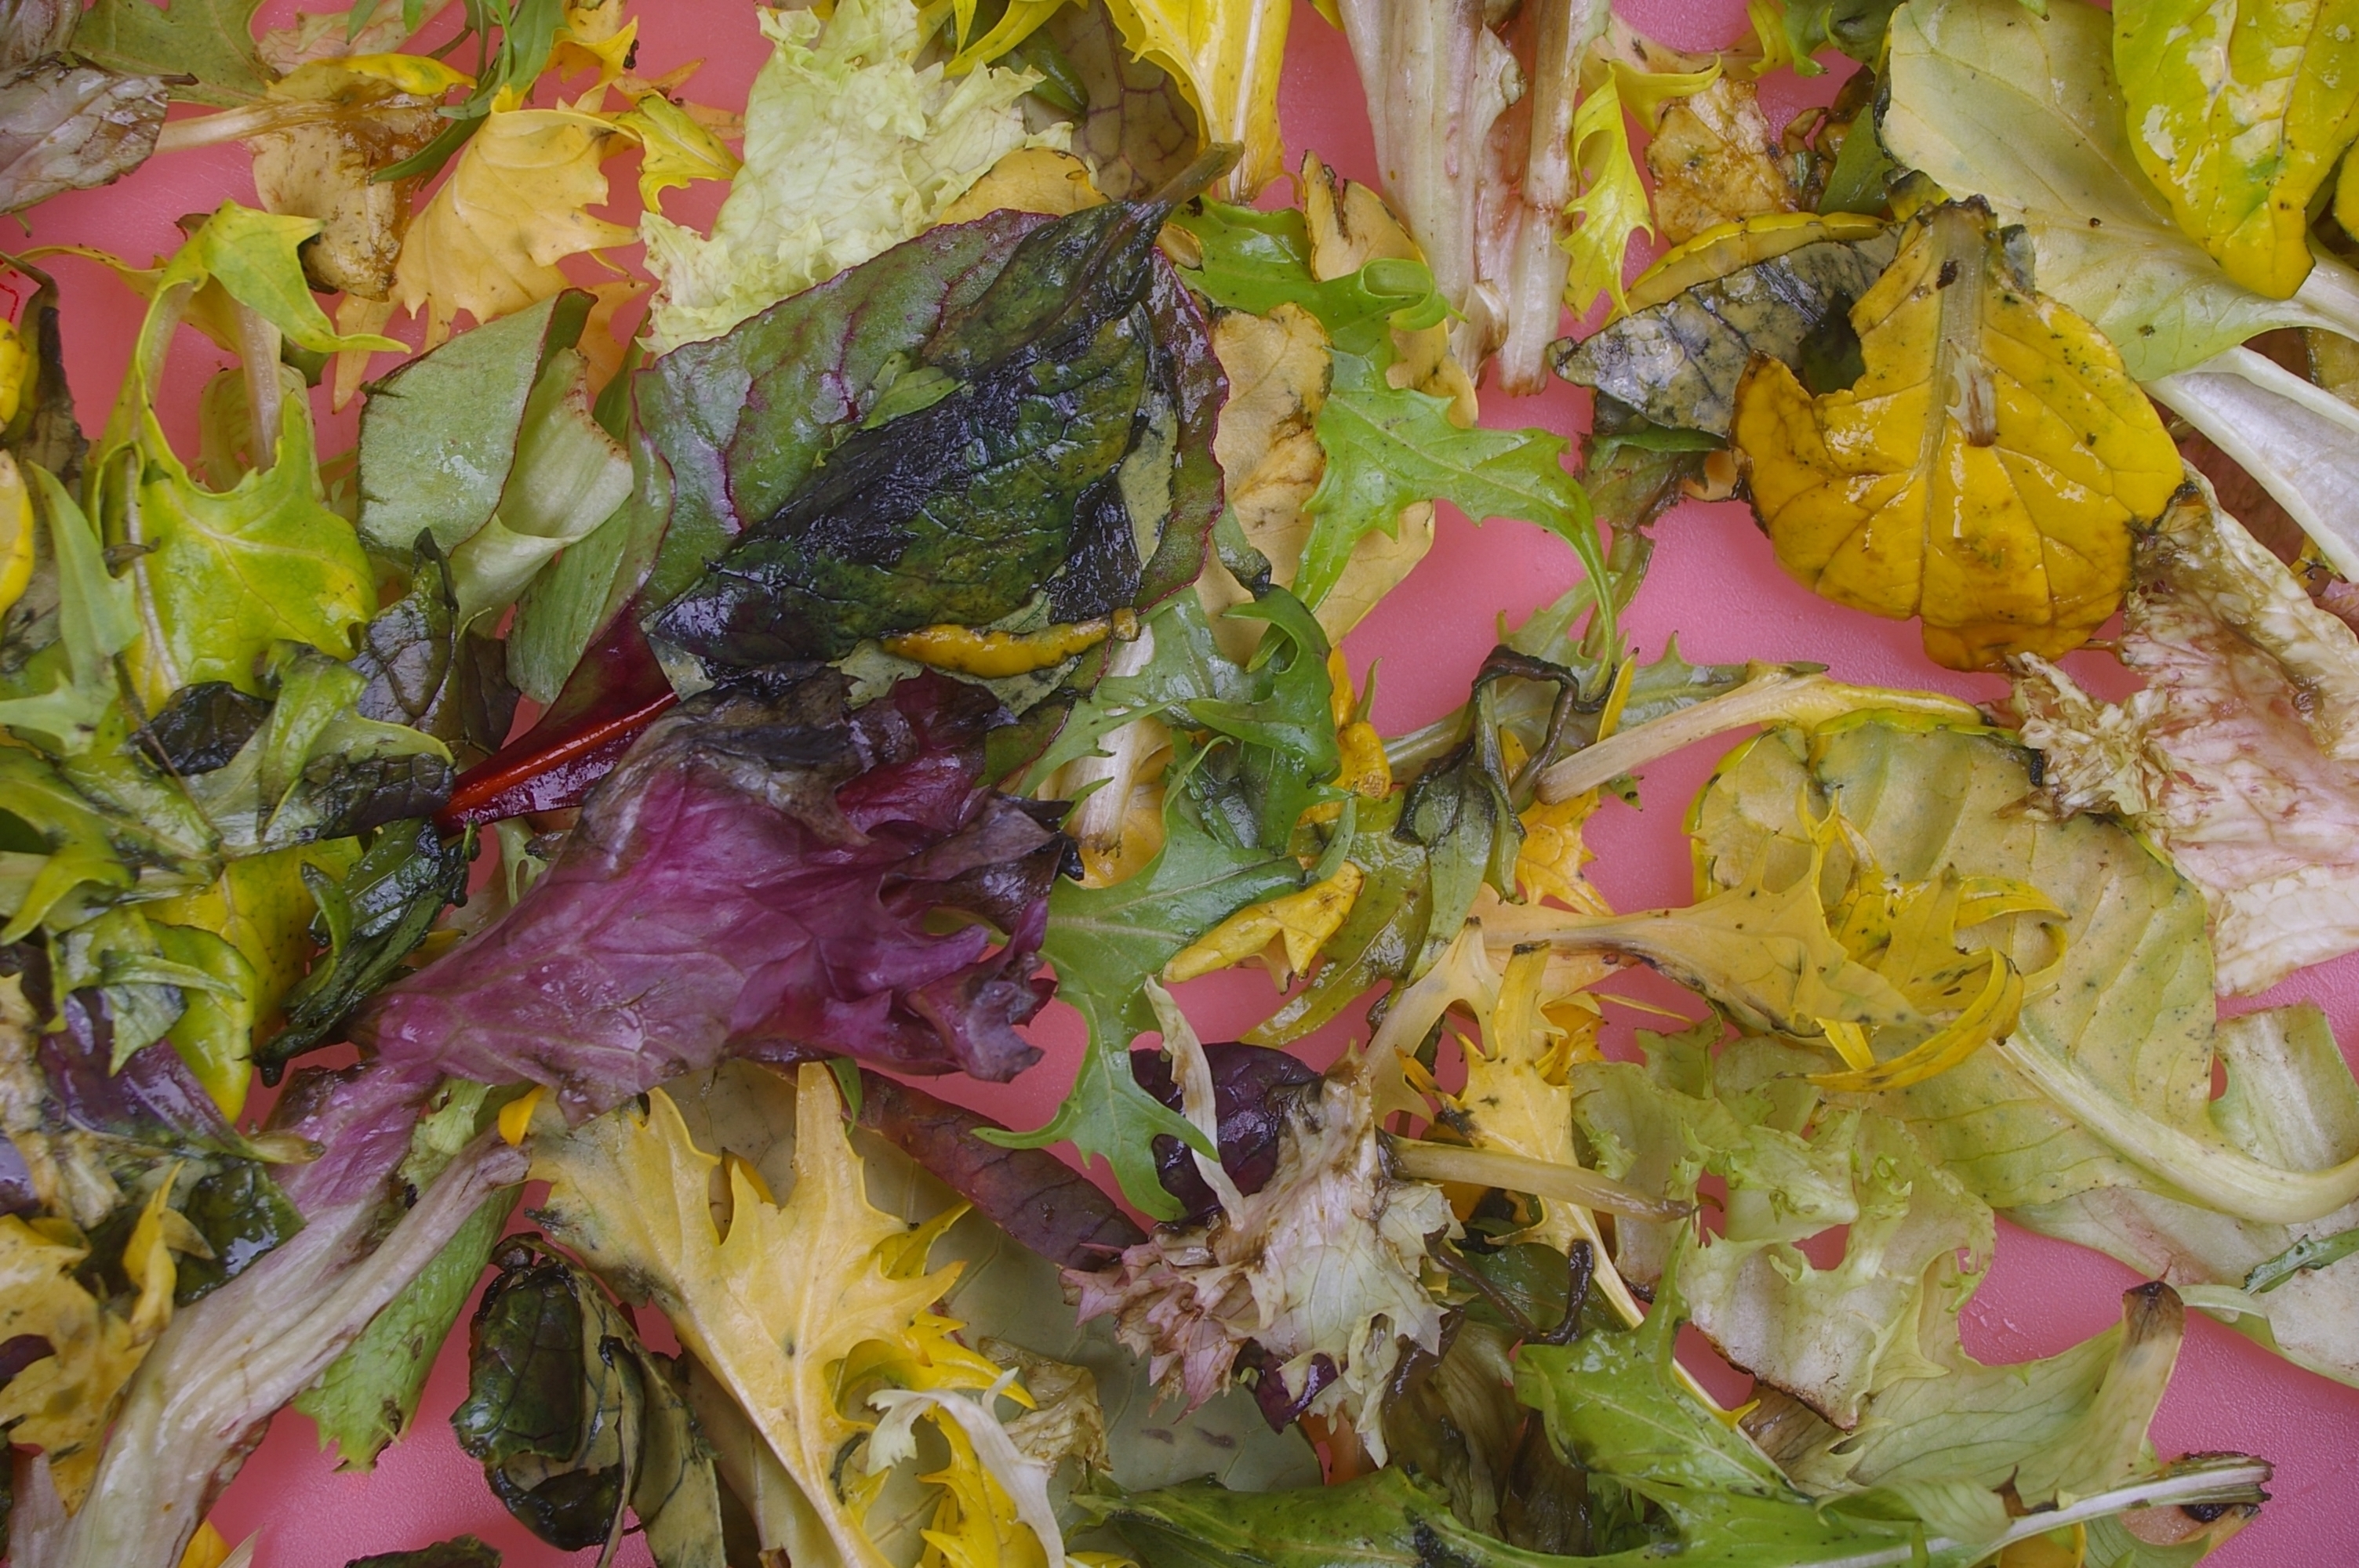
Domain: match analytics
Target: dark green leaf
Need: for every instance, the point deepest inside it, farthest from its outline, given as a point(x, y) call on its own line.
point(371, 921)
point(1678, 363)
point(242, 1215)
point(572, 1417)
point(959, 508)
point(462, 1551)
point(202, 728)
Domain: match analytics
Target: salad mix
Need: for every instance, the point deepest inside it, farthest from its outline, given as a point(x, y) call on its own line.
point(645, 758)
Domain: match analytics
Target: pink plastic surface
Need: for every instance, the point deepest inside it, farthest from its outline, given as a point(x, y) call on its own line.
point(1714, 584)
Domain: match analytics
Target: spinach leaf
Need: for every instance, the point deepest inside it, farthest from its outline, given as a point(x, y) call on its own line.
point(573, 1419)
point(1077, 383)
point(371, 920)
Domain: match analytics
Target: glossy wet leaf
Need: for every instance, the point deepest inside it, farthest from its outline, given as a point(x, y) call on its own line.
point(572, 1418)
point(2025, 111)
point(1679, 362)
point(1137, 130)
point(1986, 471)
point(371, 917)
point(1076, 377)
point(2238, 117)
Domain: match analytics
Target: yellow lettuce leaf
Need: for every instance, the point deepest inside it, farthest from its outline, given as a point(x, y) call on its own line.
point(1225, 56)
point(515, 206)
point(63, 1402)
point(1986, 471)
point(1286, 932)
point(776, 1301)
point(674, 150)
point(1715, 160)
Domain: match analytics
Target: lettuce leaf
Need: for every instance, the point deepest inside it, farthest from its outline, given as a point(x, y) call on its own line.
point(2025, 112)
point(850, 149)
point(880, 818)
point(2233, 759)
point(2106, 1081)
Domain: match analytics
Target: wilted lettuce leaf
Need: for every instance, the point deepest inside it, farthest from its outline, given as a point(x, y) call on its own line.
point(1679, 363)
point(1387, 446)
point(369, 1396)
point(2107, 1080)
point(2291, 1101)
point(1261, 740)
point(2235, 756)
point(855, 828)
point(573, 1418)
point(65, 126)
point(959, 494)
point(850, 149)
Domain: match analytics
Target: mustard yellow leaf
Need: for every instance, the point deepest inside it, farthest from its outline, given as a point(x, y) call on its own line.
point(62, 1403)
point(512, 208)
point(1029, 179)
point(775, 1304)
point(16, 509)
point(1724, 247)
point(1225, 56)
point(1986, 473)
point(1717, 161)
point(674, 150)
point(1299, 923)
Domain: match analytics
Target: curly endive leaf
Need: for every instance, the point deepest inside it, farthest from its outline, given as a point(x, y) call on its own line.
point(1983, 474)
point(774, 1303)
point(515, 205)
point(2238, 114)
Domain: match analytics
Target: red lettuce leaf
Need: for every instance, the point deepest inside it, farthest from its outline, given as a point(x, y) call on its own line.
point(757, 878)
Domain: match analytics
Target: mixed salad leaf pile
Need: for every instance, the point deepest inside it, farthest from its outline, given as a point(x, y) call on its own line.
point(641, 757)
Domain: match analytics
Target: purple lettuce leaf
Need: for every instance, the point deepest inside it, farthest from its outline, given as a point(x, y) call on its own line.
point(758, 879)
point(1253, 1087)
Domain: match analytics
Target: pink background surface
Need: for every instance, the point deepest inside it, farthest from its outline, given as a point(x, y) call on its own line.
point(1714, 584)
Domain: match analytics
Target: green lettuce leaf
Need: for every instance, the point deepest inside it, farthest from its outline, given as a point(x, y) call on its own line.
point(211, 40)
point(2239, 117)
point(2106, 1080)
point(368, 1396)
point(2024, 111)
point(851, 147)
point(1257, 746)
